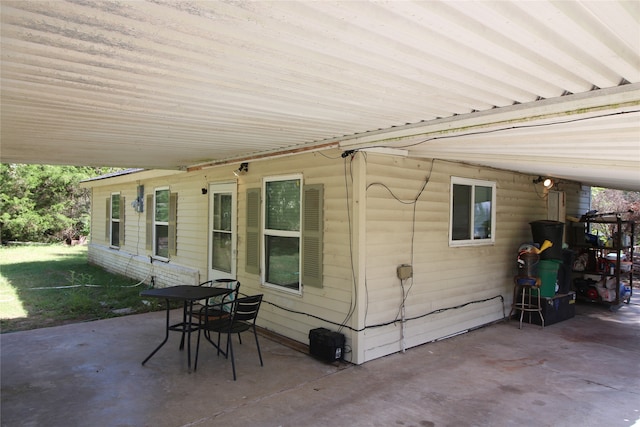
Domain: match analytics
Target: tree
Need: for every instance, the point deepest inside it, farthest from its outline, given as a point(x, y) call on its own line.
point(43, 203)
point(626, 203)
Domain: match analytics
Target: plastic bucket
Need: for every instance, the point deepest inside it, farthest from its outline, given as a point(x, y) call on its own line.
point(548, 230)
point(548, 273)
point(528, 264)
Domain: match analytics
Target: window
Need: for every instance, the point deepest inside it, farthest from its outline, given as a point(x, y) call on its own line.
point(161, 223)
point(287, 250)
point(472, 212)
point(281, 237)
point(221, 233)
point(114, 227)
point(115, 219)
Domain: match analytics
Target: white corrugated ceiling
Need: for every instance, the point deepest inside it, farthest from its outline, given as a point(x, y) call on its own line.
point(541, 87)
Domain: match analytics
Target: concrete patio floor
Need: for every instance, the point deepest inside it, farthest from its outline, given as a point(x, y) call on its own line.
point(580, 372)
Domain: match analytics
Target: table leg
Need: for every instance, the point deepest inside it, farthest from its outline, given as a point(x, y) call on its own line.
point(166, 336)
point(189, 334)
point(184, 323)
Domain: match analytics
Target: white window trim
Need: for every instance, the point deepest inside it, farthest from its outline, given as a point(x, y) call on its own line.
point(472, 183)
point(282, 233)
point(112, 220)
point(154, 242)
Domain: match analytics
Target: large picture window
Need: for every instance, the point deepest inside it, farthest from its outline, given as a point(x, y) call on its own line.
point(472, 219)
point(281, 236)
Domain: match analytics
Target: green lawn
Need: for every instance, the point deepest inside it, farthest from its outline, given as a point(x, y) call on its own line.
point(48, 285)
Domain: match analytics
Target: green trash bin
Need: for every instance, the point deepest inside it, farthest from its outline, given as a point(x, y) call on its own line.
point(548, 273)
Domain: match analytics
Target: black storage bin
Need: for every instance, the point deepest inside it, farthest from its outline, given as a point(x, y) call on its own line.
point(548, 230)
point(326, 345)
point(554, 310)
point(576, 234)
point(564, 273)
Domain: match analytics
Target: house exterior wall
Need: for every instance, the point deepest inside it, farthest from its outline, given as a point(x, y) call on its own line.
point(578, 199)
point(132, 259)
point(475, 279)
point(369, 229)
point(331, 302)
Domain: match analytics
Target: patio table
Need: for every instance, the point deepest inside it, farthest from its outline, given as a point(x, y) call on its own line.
point(188, 295)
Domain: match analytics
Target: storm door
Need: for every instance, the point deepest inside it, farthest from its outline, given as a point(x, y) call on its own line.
point(222, 231)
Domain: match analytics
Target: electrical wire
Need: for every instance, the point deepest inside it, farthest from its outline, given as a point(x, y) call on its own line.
point(353, 297)
point(141, 282)
point(413, 202)
point(402, 317)
point(43, 288)
point(327, 157)
point(391, 322)
point(348, 177)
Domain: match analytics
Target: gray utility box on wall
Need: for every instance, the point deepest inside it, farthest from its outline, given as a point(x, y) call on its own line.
point(326, 345)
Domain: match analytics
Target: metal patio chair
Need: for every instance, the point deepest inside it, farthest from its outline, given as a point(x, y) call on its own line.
point(243, 318)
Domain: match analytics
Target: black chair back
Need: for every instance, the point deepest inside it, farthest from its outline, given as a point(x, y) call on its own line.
point(246, 308)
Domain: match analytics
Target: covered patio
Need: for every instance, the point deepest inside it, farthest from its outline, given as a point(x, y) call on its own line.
point(551, 88)
point(583, 371)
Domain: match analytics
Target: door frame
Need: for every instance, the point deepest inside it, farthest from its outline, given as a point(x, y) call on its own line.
point(227, 187)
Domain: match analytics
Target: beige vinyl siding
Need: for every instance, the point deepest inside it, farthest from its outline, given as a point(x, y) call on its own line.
point(578, 199)
point(192, 215)
point(132, 259)
point(444, 277)
point(331, 301)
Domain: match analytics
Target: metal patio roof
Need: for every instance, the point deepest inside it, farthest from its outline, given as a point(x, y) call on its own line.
point(545, 87)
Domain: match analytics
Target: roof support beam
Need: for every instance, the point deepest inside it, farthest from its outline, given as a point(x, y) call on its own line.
point(621, 99)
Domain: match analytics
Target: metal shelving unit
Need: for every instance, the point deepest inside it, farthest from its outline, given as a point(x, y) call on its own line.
point(621, 244)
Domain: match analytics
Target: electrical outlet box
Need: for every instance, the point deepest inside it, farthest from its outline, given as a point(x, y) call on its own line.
point(404, 271)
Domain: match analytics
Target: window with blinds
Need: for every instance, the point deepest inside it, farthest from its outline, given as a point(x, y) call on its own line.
point(287, 250)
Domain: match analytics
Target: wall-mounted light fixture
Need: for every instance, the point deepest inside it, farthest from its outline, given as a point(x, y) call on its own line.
point(204, 190)
point(242, 170)
point(547, 182)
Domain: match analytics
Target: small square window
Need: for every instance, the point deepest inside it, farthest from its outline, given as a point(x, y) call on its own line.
point(472, 219)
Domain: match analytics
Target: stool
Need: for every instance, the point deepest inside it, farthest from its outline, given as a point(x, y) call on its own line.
point(523, 301)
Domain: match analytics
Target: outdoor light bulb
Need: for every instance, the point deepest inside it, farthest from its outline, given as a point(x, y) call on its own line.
point(548, 183)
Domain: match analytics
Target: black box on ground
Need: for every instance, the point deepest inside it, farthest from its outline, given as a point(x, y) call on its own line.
point(326, 345)
point(560, 307)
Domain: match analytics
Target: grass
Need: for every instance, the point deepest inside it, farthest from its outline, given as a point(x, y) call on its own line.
point(49, 285)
